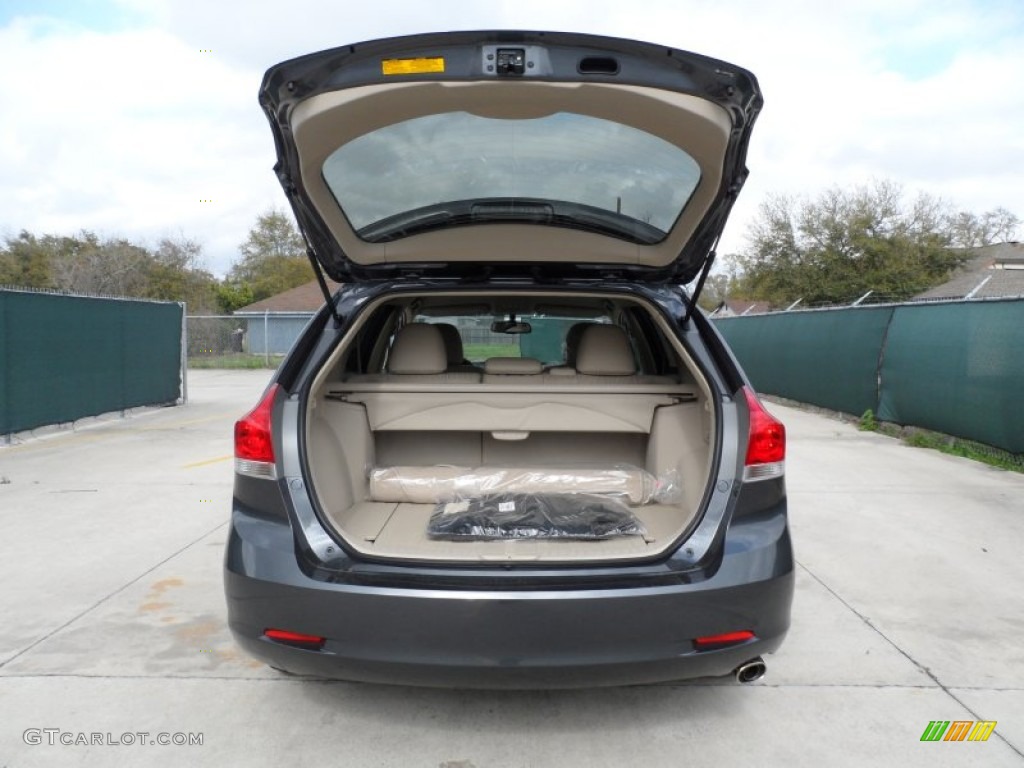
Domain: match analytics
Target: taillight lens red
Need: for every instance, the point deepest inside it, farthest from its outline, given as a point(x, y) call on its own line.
point(724, 639)
point(296, 638)
point(766, 444)
point(253, 439)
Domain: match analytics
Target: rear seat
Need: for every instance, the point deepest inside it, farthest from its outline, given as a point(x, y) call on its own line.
point(513, 370)
point(514, 396)
point(457, 362)
point(605, 356)
point(418, 356)
point(572, 345)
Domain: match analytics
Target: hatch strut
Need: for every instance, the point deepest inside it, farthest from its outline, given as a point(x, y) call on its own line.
point(700, 286)
point(323, 285)
point(298, 209)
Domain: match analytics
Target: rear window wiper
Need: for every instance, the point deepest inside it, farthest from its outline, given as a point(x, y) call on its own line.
point(513, 210)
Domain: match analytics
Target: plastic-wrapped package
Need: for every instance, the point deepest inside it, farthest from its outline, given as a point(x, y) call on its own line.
point(430, 485)
point(533, 516)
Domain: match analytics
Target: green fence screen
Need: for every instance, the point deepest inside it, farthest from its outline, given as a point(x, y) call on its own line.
point(954, 367)
point(65, 357)
point(825, 358)
point(958, 369)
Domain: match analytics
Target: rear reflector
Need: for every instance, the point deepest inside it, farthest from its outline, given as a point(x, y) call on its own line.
point(766, 443)
point(295, 638)
point(722, 640)
point(254, 444)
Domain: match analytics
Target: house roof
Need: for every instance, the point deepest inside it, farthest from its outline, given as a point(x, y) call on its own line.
point(303, 298)
point(993, 272)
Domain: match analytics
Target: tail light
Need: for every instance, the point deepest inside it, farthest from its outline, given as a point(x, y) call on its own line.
point(723, 640)
point(254, 444)
point(294, 638)
point(766, 444)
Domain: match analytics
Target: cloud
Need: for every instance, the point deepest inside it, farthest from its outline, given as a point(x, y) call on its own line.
point(125, 132)
point(124, 127)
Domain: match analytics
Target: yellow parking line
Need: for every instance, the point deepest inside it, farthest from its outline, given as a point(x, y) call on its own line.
point(170, 424)
point(105, 430)
point(207, 461)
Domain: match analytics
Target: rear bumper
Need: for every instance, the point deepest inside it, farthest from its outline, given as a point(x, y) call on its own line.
point(542, 638)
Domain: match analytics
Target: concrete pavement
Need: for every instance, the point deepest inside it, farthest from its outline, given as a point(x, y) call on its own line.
point(909, 608)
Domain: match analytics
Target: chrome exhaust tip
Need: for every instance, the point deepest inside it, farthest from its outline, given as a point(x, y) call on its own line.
point(749, 671)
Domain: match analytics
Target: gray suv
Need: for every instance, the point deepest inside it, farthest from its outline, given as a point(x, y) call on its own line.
point(510, 451)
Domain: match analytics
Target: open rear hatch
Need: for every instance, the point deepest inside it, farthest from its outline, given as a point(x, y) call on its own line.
point(510, 153)
point(544, 157)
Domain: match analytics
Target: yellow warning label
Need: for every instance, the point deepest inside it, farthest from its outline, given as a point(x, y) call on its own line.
point(412, 66)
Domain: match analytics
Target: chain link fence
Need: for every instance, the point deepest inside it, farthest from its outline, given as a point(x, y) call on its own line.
point(258, 340)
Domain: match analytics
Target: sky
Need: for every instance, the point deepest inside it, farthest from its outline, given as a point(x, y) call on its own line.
point(139, 118)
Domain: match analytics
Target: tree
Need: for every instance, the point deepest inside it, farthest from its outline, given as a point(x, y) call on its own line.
point(25, 262)
point(85, 263)
point(232, 296)
point(175, 273)
point(844, 243)
point(717, 288)
point(969, 230)
point(273, 259)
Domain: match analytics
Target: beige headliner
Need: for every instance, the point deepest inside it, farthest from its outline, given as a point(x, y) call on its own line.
point(323, 123)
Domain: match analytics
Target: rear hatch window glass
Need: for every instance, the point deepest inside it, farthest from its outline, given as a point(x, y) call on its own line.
point(564, 169)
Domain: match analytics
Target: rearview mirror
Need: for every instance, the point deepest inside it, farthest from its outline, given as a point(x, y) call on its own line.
point(510, 326)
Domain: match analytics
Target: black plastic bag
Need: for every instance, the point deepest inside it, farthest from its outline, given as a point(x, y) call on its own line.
point(533, 516)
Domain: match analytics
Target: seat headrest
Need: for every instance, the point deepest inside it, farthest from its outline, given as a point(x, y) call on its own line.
point(452, 343)
point(572, 342)
point(417, 348)
point(514, 366)
point(604, 351)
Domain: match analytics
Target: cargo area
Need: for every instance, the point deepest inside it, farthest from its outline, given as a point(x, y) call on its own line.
point(620, 402)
